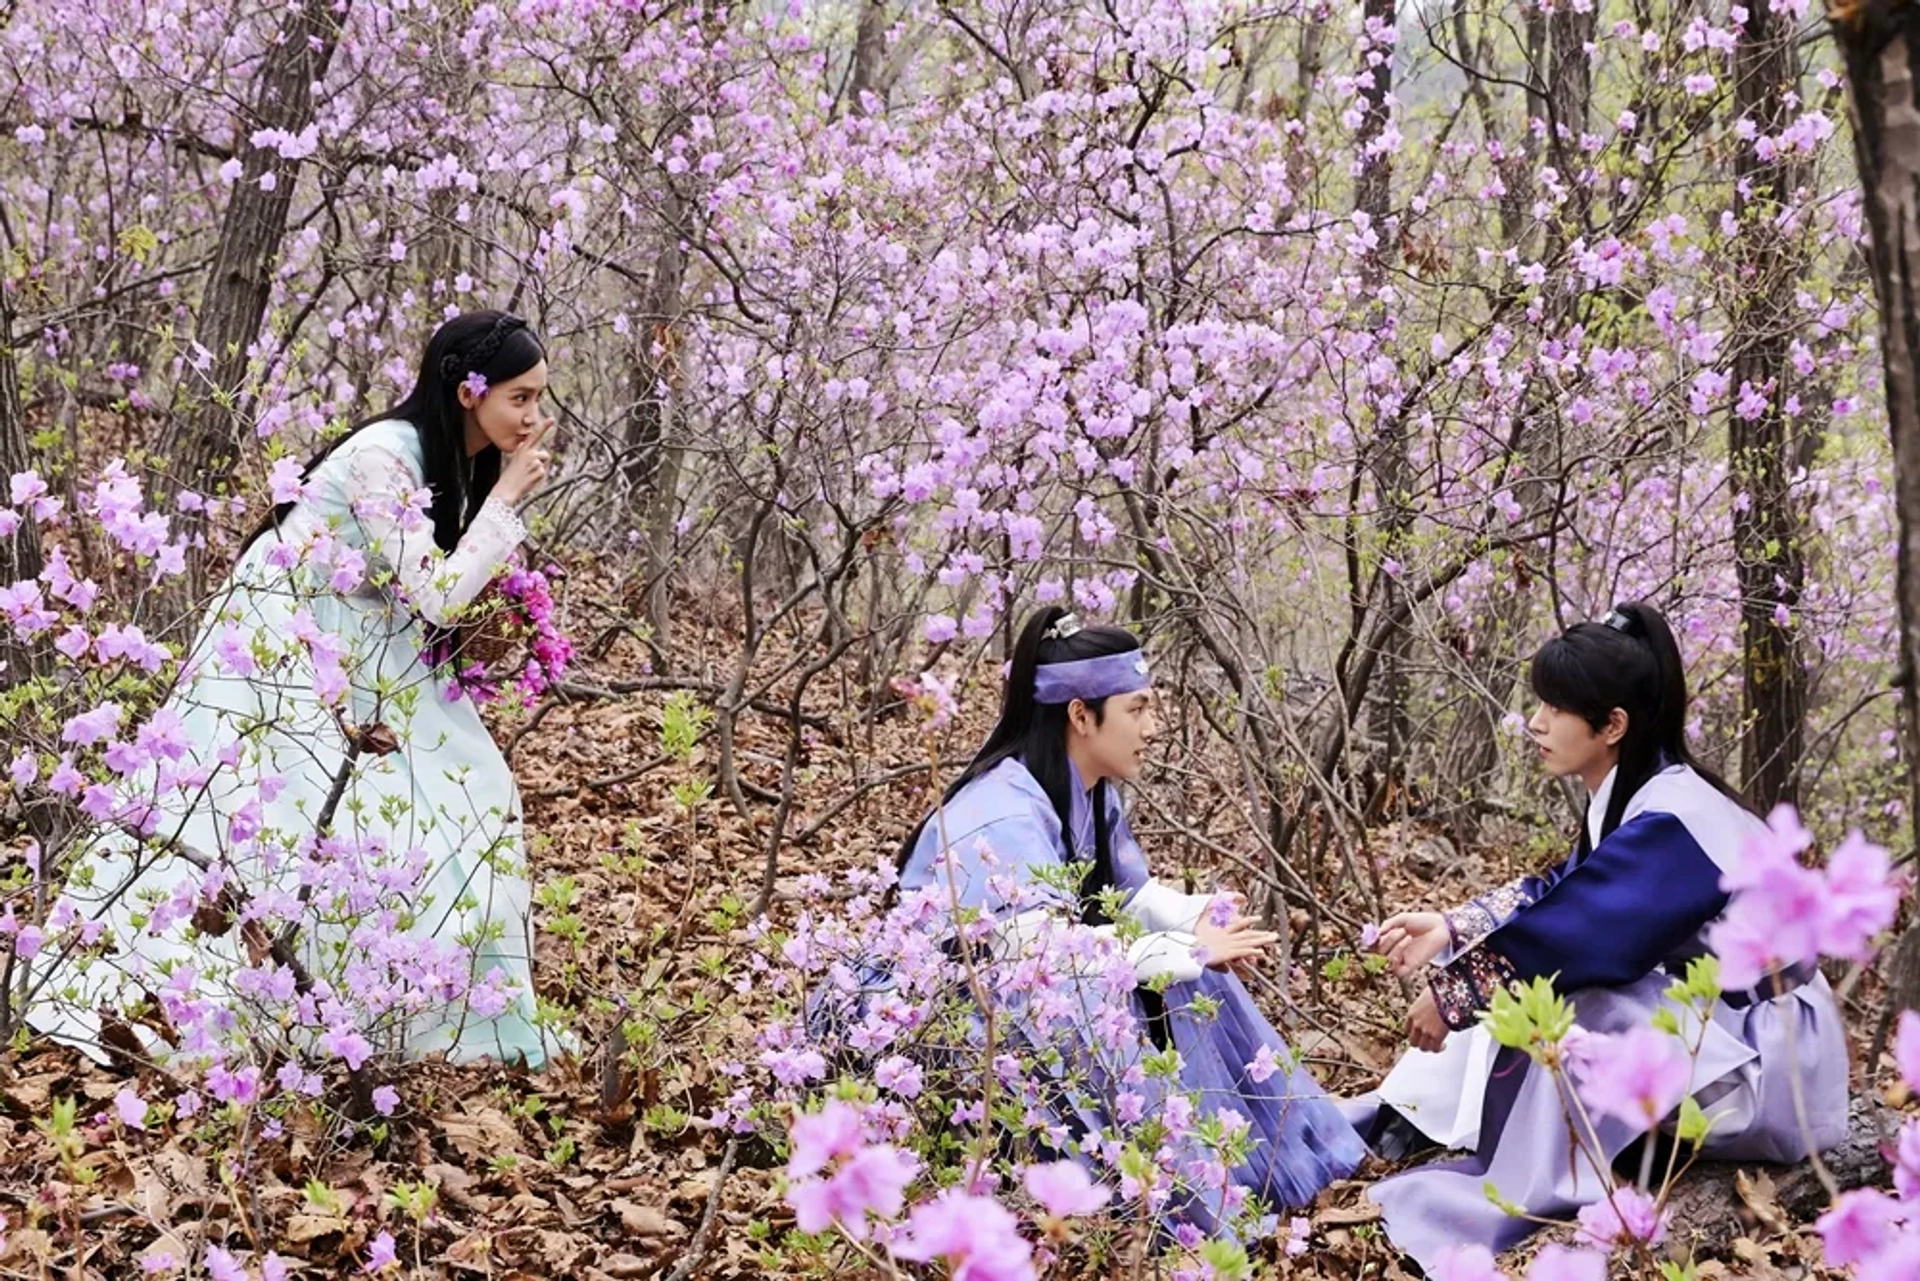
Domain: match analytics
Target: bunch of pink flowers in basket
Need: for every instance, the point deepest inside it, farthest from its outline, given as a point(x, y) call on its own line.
point(514, 615)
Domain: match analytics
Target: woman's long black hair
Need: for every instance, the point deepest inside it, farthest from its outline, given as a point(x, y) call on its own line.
point(1037, 734)
point(1592, 668)
point(494, 344)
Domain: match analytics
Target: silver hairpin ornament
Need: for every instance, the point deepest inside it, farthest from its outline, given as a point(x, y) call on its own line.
point(1618, 621)
point(1063, 627)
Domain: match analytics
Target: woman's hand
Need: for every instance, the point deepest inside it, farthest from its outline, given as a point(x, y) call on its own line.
point(1426, 1030)
point(1411, 939)
point(526, 466)
point(1234, 943)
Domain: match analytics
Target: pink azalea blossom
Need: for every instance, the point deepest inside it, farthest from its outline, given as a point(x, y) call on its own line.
point(1628, 1216)
point(131, 1108)
point(23, 487)
point(1064, 1189)
point(871, 1181)
point(94, 726)
point(1778, 906)
point(1906, 1161)
point(73, 642)
point(900, 1075)
point(381, 1254)
point(346, 1042)
point(1784, 914)
point(1898, 1260)
point(1557, 1263)
point(1467, 1263)
point(974, 1235)
point(1906, 1048)
point(284, 483)
point(1862, 897)
point(222, 1266)
point(820, 1137)
point(1860, 1225)
point(1639, 1076)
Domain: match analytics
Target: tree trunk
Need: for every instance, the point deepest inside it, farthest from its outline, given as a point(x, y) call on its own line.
point(202, 446)
point(1388, 720)
point(20, 553)
point(1469, 754)
point(1570, 102)
point(653, 460)
point(869, 47)
point(1880, 40)
point(1767, 528)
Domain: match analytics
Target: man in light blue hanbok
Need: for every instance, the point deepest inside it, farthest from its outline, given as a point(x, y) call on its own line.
point(1040, 795)
point(1613, 926)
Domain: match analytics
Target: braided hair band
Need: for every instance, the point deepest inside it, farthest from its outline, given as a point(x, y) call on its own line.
point(453, 365)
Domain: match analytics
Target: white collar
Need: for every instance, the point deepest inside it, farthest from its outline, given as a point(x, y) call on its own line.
point(1597, 807)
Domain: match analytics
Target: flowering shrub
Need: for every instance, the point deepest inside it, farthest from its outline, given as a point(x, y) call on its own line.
point(1875, 1234)
point(1088, 315)
point(964, 1099)
point(994, 1080)
point(281, 950)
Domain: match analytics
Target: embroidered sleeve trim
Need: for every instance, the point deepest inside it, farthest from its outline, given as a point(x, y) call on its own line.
point(1465, 986)
point(1481, 916)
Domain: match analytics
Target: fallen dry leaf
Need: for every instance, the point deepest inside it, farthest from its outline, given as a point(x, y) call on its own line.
point(471, 1253)
point(1758, 1259)
point(304, 1229)
point(32, 1095)
point(1759, 1195)
point(530, 1209)
point(563, 1250)
point(480, 1136)
point(454, 1184)
point(1344, 1216)
point(646, 1221)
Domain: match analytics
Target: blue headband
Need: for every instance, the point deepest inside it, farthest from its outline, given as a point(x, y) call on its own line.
point(1091, 678)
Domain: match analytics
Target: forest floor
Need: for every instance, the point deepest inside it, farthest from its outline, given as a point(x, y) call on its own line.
point(572, 1172)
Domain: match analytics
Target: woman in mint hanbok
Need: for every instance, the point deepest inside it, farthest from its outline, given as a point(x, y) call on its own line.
point(1043, 793)
point(1613, 925)
point(324, 630)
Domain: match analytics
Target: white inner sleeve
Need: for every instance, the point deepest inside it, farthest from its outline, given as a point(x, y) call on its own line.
point(1161, 907)
point(1158, 952)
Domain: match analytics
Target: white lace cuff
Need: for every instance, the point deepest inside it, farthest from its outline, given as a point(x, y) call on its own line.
point(501, 513)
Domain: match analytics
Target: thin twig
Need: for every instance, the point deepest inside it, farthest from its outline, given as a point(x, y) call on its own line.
point(697, 1248)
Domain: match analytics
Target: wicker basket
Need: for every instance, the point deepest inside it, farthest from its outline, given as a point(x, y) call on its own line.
point(492, 637)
